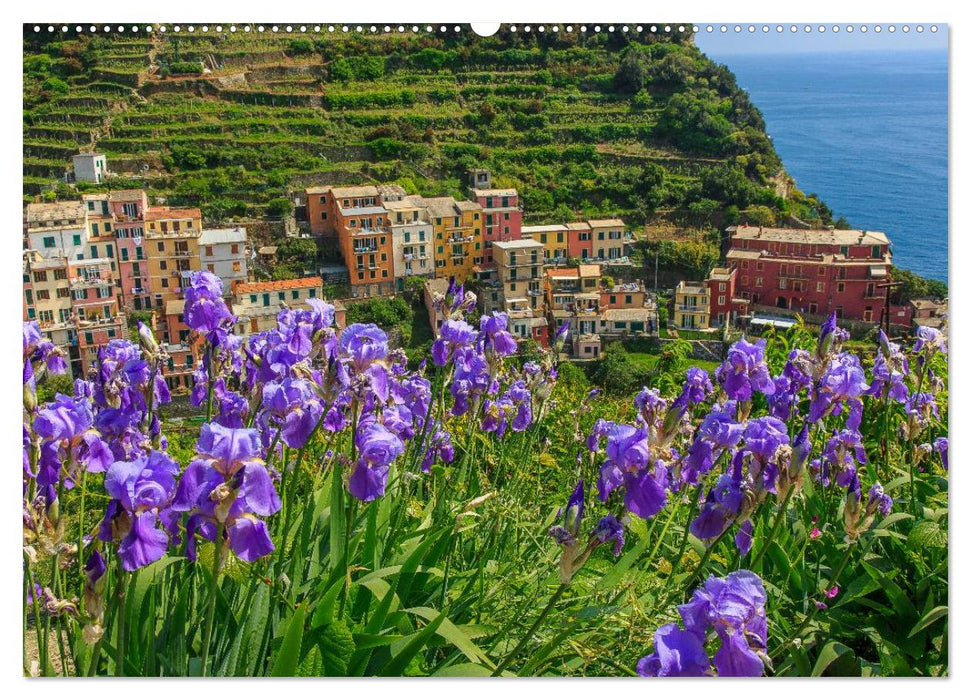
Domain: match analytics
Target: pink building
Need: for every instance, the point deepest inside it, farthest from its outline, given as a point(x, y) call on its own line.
point(128, 208)
point(503, 217)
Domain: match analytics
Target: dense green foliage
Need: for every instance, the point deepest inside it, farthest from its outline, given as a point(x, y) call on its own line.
point(642, 126)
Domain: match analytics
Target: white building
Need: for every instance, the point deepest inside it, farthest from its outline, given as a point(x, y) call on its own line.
point(57, 229)
point(411, 239)
point(90, 167)
point(222, 252)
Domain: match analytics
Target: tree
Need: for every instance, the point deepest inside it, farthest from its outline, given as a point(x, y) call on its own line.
point(279, 207)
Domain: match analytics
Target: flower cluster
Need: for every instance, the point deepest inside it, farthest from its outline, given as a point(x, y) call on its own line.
point(730, 610)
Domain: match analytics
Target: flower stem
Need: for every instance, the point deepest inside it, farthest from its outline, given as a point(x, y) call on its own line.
point(526, 637)
point(121, 631)
point(211, 605)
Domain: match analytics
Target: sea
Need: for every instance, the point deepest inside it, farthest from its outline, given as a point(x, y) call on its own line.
point(867, 132)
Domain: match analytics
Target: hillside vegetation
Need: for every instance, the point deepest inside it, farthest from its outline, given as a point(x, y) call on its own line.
point(642, 126)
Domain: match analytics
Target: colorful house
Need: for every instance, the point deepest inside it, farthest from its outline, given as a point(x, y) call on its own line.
point(458, 236)
point(503, 217)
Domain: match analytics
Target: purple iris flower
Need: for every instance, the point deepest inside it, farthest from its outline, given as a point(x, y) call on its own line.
point(722, 504)
point(471, 380)
point(930, 341)
point(734, 607)
point(676, 653)
point(651, 407)
point(920, 407)
point(68, 425)
point(454, 335)
point(228, 484)
point(141, 493)
point(697, 385)
point(744, 371)
point(439, 446)
point(205, 311)
point(842, 383)
point(516, 403)
point(364, 348)
point(842, 454)
point(878, 501)
point(292, 407)
point(719, 431)
point(568, 530)
point(743, 538)
point(609, 529)
point(827, 333)
point(377, 448)
point(940, 446)
point(628, 466)
point(495, 337)
point(38, 350)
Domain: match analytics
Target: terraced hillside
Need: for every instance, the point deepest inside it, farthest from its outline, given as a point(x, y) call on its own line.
point(638, 125)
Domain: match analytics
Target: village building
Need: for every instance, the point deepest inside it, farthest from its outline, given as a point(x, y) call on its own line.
point(812, 272)
point(257, 304)
point(457, 226)
point(90, 167)
point(554, 240)
point(223, 253)
point(503, 217)
point(519, 269)
point(411, 240)
point(172, 239)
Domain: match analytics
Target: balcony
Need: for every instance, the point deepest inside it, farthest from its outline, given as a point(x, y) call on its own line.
point(683, 308)
point(359, 250)
point(89, 282)
point(535, 292)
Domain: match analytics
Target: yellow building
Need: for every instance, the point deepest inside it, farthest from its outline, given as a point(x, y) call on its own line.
point(457, 230)
point(172, 248)
point(691, 306)
point(554, 240)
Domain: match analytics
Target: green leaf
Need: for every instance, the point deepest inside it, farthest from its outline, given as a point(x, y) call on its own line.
point(831, 653)
point(451, 633)
point(285, 664)
point(927, 534)
point(399, 662)
point(464, 671)
point(929, 619)
point(617, 571)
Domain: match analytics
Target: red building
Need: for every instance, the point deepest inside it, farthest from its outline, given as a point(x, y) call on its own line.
point(503, 217)
point(724, 302)
point(812, 272)
point(579, 240)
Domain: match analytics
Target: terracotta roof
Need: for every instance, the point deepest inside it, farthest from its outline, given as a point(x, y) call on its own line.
point(578, 226)
point(441, 206)
point(810, 236)
point(589, 270)
point(600, 223)
point(640, 314)
point(466, 205)
point(279, 285)
point(569, 272)
point(167, 213)
point(516, 245)
point(321, 189)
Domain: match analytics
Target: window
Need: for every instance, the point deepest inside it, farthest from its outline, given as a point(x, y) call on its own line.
point(820, 286)
point(49, 242)
point(252, 298)
point(875, 251)
point(89, 338)
point(235, 249)
point(281, 296)
point(237, 266)
point(295, 294)
point(124, 255)
point(721, 286)
point(782, 283)
point(165, 283)
point(40, 276)
point(29, 296)
point(758, 281)
point(312, 293)
point(163, 265)
point(77, 239)
point(721, 300)
point(845, 251)
point(161, 247)
point(840, 287)
point(211, 268)
point(47, 316)
point(208, 251)
point(63, 292)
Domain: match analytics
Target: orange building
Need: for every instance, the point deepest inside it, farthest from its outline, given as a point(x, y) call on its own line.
point(457, 228)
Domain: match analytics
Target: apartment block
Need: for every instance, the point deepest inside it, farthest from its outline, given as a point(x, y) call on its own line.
point(692, 306)
point(411, 239)
point(554, 239)
point(502, 217)
point(457, 226)
point(519, 270)
point(812, 272)
point(223, 252)
point(172, 239)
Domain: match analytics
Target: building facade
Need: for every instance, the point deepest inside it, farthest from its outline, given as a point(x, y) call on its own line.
point(814, 272)
point(223, 252)
point(502, 217)
point(519, 271)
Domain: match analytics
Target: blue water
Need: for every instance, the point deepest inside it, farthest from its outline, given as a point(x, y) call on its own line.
point(867, 132)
